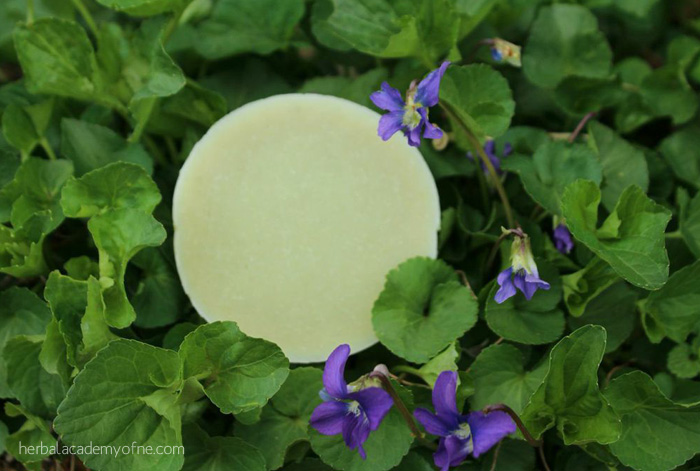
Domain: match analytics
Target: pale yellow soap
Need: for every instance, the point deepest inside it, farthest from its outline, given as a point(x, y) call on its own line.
point(288, 215)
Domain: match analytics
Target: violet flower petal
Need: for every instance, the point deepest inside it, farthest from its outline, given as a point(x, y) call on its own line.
point(431, 131)
point(489, 429)
point(507, 289)
point(527, 289)
point(445, 395)
point(451, 452)
point(490, 148)
point(334, 371)
point(413, 135)
point(388, 98)
point(534, 278)
point(562, 239)
point(375, 404)
point(428, 92)
point(355, 433)
point(507, 149)
point(496, 54)
point(431, 422)
point(329, 417)
point(389, 124)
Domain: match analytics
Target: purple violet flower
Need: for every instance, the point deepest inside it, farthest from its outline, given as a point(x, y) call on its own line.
point(460, 435)
point(490, 151)
point(562, 239)
point(353, 410)
point(410, 116)
point(522, 273)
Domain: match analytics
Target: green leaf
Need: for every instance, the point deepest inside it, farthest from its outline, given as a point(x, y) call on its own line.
point(63, 48)
point(114, 186)
point(667, 93)
point(683, 361)
point(78, 322)
point(252, 80)
point(512, 455)
point(443, 361)
point(569, 398)
point(565, 41)
point(35, 192)
point(143, 7)
point(192, 104)
point(173, 339)
point(24, 127)
point(690, 222)
point(81, 268)
point(308, 464)
point(38, 391)
point(240, 373)
point(533, 322)
point(500, 378)
point(137, 68)
point(623, 164)
point(473, 12)
point(682, 151)
point(615, 310)
point(21, 313)
point(581, 95)
point(422, 309)
point(286, 417)
point(583, 286)
point(68, 300)
point(91, 146)
point(205, 453)
point(631, 239)
point(674, 310)
point(240, 26)
point(4, 432)
point(385, 447)
point(133, 387)
point(355, 89)
point(34, 432)
point(158, 297)
point(388, 28)
point(33, 196)
point(481, 97)
point(120, 234)
point(657, 435)
point(553, 166)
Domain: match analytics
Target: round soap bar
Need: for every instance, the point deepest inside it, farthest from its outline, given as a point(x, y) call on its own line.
point(288, 215)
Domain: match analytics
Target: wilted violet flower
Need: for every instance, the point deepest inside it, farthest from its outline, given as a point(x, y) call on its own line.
point(353, 410)
point(522, 273)
point(490, 151)
point(460, 435)
point(562, 239)
point(504, 51)
point(410, 116)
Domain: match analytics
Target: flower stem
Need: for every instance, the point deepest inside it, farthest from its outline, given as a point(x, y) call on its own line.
point(580, 126)
point(403, 410)
point(87, 16)
point(518, 422)
point(406, 369)
point(30, 12)
point(521, 426)
point(474, 143)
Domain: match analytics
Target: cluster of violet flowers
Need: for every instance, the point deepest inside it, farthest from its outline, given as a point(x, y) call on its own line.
point(410, 116)
point(356, 410)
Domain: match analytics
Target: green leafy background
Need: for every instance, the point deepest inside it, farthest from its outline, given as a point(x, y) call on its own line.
point(101, 102)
